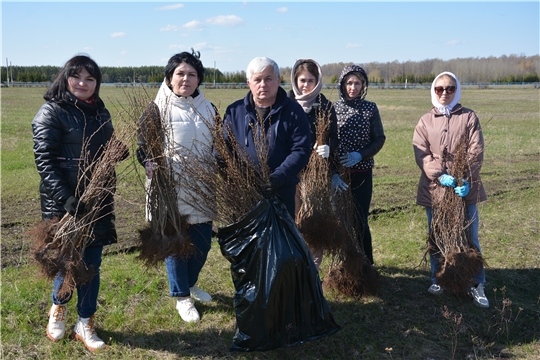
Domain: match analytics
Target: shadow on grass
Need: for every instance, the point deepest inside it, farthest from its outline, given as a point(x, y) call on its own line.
point(402, 322)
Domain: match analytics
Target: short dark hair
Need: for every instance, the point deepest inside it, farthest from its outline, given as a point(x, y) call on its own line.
point(59, 87)
point(192, 59)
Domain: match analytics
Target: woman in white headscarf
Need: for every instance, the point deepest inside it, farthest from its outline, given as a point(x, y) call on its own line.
point(434, 141)
point(306, 83)
point(183, 111)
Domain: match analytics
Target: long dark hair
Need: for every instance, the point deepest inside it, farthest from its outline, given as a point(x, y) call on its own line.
point(59, 87)
point(192, 59)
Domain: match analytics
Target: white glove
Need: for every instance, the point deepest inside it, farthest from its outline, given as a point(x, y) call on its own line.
point(323, 150)
point(150, 166)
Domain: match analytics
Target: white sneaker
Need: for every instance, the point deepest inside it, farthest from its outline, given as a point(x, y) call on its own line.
point(435, 289)
point(199, 295)
point(86, 332)
point(56, 329)
point(479, 297)
point(187, 311)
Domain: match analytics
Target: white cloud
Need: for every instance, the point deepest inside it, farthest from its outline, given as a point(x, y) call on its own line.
point(177, 46)
point(454, 42)
point(170, 7)
point(170, 28)
point(282, 9)
point(225, 20)
point(120, 34)
point(352, 46)
point(123, 53)
point(86, 48)
point(200, 46)
point(194, 25)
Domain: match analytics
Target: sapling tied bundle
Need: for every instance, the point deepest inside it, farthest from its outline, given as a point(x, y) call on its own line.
point(450, 238)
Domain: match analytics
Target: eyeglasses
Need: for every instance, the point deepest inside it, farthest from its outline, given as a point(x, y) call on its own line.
point(449, 90)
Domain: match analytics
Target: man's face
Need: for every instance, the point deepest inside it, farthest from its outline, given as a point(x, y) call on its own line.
point(264, 86)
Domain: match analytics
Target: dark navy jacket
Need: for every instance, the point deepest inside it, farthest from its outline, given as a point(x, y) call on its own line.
point(287, 129)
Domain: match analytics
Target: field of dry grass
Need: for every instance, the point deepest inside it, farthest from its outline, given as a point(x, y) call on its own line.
point(137, 317)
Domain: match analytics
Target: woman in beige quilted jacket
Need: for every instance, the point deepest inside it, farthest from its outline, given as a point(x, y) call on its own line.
point(435, 138)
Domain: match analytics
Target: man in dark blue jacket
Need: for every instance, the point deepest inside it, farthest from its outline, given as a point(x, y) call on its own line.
point(286, 129)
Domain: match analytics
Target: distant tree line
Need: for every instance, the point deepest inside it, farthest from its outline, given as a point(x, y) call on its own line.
point(503, 69)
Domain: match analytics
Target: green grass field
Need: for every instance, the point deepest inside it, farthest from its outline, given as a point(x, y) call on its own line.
point(136, 316)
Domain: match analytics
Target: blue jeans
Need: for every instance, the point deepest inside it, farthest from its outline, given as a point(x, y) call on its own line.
point(472, 215)
point(183, 272)
point(362, 190)
point(87, 293)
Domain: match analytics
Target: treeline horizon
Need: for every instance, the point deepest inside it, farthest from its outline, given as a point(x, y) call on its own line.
point(503, 69)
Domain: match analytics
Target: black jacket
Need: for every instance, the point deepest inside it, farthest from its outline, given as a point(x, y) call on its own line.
point(59, 131)
point(323, 106)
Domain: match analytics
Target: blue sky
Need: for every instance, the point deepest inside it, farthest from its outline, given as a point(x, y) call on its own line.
point(229, 34)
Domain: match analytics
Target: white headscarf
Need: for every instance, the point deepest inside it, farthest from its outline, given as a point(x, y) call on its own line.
point(445, 109)
point(307, 100)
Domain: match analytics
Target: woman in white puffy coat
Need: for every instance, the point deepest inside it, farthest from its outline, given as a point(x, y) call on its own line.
point(185, 114)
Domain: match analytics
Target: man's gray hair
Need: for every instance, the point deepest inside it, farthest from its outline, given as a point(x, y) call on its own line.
point(258, 65)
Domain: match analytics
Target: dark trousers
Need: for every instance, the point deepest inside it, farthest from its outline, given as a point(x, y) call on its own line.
point(362, 189)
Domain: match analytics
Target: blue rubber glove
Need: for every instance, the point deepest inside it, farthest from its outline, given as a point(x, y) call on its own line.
point(463, 190)
point(338, 184)
point(350, 159)
point(447, 180)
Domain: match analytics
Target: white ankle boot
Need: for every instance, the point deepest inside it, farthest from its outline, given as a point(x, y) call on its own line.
point(56, 329)
point(85, 331)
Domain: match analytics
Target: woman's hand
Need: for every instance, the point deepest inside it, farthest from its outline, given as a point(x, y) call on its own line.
point(462, 190)
point(150, 167)
point(350, 159)
point(447, 180)
point(74, 206)
point(338, 184)
point(323, 150)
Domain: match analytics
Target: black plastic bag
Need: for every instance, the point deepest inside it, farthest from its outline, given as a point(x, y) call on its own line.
point(278, 297)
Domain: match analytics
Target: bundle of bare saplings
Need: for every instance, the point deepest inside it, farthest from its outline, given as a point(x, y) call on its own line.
point(449, 237)
point(59, 243)
point(261, 241)
point(327, 222)
point(350, 271)
point(166, 233)
point(224, 184)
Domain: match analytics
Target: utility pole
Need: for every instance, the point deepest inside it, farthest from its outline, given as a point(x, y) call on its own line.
point(214, 74)
point(7, 71)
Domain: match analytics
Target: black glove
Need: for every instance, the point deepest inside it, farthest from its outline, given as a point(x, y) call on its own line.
point(74, 206)
point(271, 187)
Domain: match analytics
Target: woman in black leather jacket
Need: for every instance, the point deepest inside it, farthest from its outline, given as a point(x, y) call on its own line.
point(74, 118)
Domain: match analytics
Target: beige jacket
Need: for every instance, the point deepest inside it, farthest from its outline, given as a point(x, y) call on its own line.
point(436, 133)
